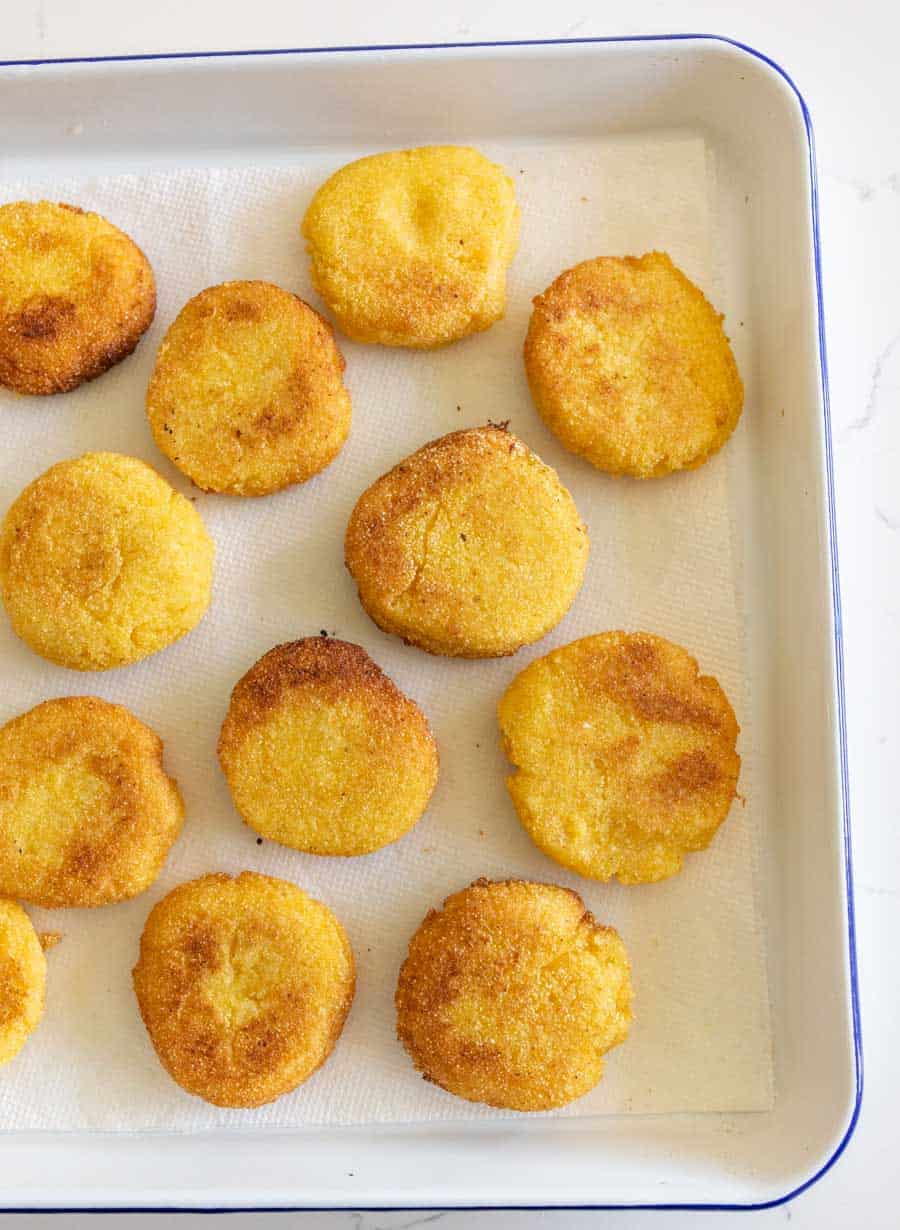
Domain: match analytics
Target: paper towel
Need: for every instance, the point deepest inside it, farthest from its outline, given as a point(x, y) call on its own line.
point(666, 557)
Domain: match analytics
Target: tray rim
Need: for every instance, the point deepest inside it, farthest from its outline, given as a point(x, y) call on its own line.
point(839, 688)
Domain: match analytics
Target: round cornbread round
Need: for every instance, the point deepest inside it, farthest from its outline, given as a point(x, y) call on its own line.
point(411, 247)
point(471, 547)
point(625, 755)
point(512, 994)
point(87, 812)
point(23, 977)
point(76, 296)
point(102, 563)
point(244, 985)
point(247, 395)
point(629, 366)
point(324, 753)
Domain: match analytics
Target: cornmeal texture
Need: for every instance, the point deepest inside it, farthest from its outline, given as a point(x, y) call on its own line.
point(103, 563)
point(629, 366)
point(247, 395)
point(324, 753)
point(512, 994)
point(625, 755)
point(471, 547)
point(87, 812)
point(411, 247)
point(23, 976)
point(76, 296)
point(244, 984)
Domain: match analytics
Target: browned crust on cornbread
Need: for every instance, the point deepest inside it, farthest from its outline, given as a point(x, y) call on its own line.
point(87, 811)
point(470, 547)
point(247, 395)
point(55, 337)
point(323, 752)
point(244, 985)
point(625, 755)
point(629, 366)
point(511, 994)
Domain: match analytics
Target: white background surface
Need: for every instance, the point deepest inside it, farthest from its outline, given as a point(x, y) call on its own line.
point(843, 58)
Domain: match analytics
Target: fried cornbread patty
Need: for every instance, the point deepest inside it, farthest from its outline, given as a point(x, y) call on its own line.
point(629, 365)
point(471, 547)
point(324, 753)
point(625, 755)
point(512, 994)
point(87, 812)
point(23, 976)
point(103, 563)
point(76, 295)
point(248, 395)
point(411, 248)
point(244, 985)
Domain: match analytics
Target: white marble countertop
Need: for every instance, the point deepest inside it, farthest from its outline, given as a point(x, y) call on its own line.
point(843, 57)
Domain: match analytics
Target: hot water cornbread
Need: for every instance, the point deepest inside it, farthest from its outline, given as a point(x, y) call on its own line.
point(629, 366)
point(76, 295)
point(103, 563)
point(23, 976)
point(87, 812)
point(625, 755)
point(471, 547)
point(247, 395)
point(411, 247)
point(324, 753)
point(512, 994)
point(244, 985)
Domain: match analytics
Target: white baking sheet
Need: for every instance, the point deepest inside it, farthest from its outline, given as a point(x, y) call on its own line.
point(666, 557)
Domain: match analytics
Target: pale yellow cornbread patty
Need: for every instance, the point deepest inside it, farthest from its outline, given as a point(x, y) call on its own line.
point(247, 395)
point(471, 547)
point(625, 755)
point(323, 752)
point(512, 994)
point(88, 814)
point(76, 296)
point(103, 563)
point(23, 975)
point(244, 985)
point(630, 367)
point(411, 247)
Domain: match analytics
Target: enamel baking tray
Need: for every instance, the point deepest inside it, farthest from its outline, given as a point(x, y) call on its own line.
point(256, 108)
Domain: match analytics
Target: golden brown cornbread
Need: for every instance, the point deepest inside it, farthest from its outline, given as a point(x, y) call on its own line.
point(512, 994)
point(625, 755)
point(411, 247)
point(247, 395)
point(23, 975)
point(244, 985)
point(76, 295)
point(87, 812)
point(629, 365)
point(324, 753)
point(471, 547)
point(103, 563)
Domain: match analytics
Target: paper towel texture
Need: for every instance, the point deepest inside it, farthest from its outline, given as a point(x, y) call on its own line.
point(666, 557)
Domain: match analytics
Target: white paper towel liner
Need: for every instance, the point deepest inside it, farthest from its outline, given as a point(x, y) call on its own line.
point(665, 557)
